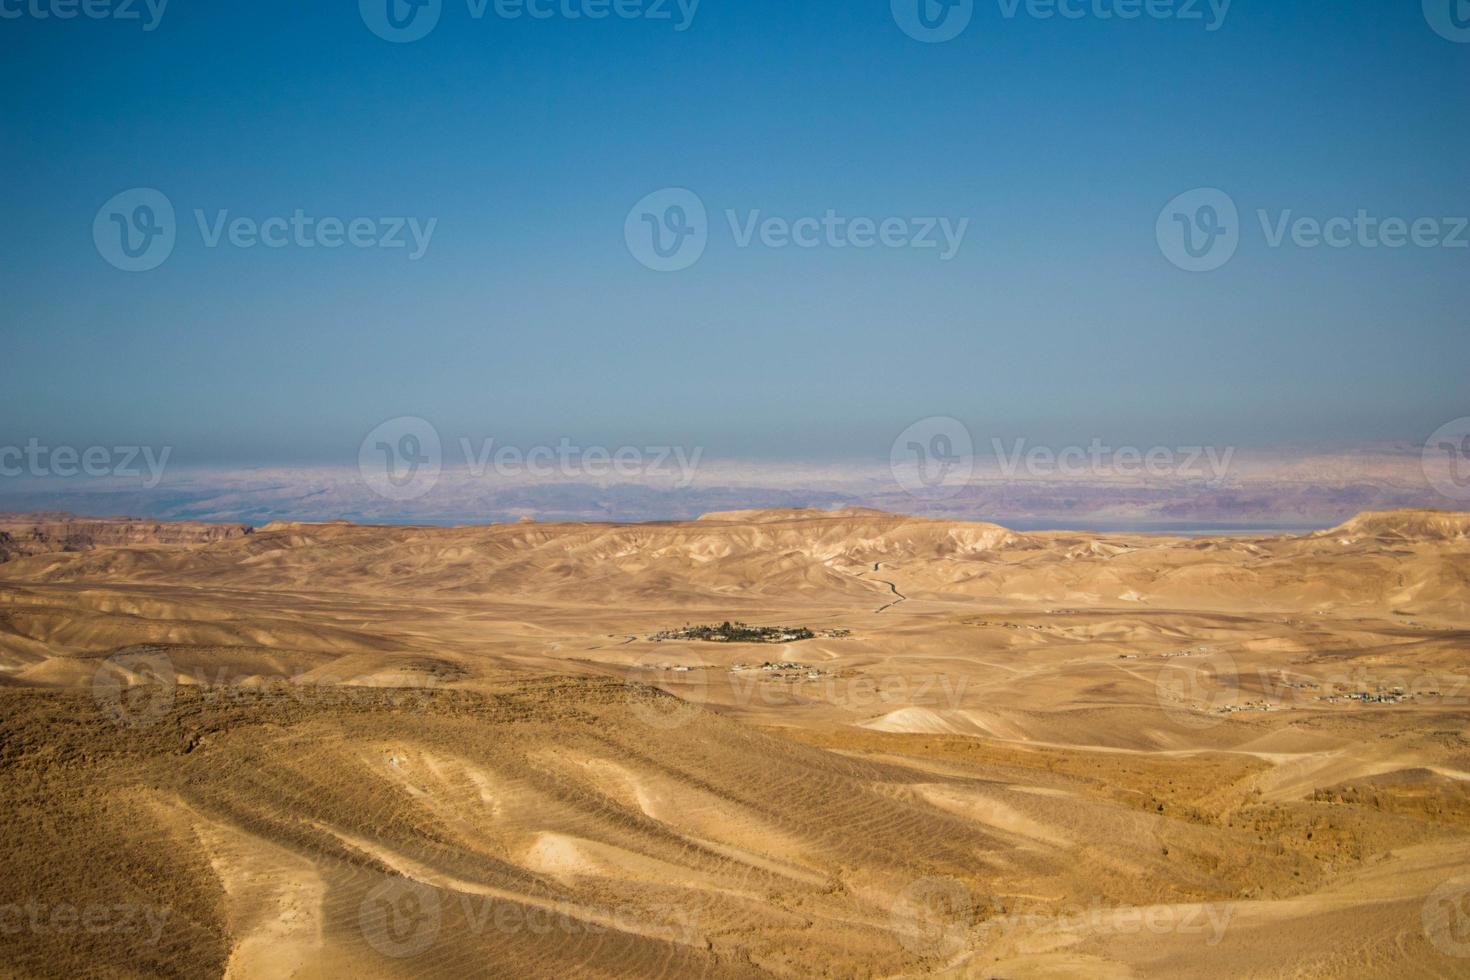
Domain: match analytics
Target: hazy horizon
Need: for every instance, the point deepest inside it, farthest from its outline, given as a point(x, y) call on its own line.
point(976, 228)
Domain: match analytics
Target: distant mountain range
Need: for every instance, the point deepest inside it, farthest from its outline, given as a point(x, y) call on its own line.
point(1276, 489)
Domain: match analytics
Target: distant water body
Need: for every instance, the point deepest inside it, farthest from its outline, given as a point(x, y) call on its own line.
point(1186, 529)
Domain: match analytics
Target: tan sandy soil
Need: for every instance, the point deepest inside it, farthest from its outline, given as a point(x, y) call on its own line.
point(327, 750)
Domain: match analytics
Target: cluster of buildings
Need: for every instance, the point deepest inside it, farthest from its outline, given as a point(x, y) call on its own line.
point(728, 632)
point(781, 669)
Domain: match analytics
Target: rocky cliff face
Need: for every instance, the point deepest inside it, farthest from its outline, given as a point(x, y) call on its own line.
point(22, 535)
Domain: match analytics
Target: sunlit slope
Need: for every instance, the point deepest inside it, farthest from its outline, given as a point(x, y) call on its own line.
point(1413, 560)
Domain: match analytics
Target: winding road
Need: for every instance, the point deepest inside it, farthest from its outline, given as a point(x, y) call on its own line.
point(894, 588)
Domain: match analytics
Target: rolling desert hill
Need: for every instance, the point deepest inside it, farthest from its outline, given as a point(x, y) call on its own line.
point(938, 748)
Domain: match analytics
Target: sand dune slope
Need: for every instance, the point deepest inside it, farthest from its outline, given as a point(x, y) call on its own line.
point(327, 750)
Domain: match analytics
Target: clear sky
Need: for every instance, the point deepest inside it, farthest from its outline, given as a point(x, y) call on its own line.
point(528, 141)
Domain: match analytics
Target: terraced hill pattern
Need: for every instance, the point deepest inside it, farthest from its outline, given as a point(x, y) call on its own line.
point(324, 750)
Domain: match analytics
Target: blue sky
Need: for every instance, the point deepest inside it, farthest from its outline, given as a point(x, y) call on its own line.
point(528, 141)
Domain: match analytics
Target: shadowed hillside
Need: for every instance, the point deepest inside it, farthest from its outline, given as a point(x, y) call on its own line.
point(316, 750)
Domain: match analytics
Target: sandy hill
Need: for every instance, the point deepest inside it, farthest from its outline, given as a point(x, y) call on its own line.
point(1425, 525)
point(851, 556)
point(771, 515)
point(332, 749)
point(22, 534)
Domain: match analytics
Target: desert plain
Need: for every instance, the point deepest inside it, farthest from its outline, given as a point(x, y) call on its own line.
point(921, 747)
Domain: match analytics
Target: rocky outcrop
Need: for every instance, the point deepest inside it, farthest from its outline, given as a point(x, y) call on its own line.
point(23, 535)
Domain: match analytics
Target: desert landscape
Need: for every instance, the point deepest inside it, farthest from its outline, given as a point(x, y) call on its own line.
point(561, 489)
point(780, 743)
